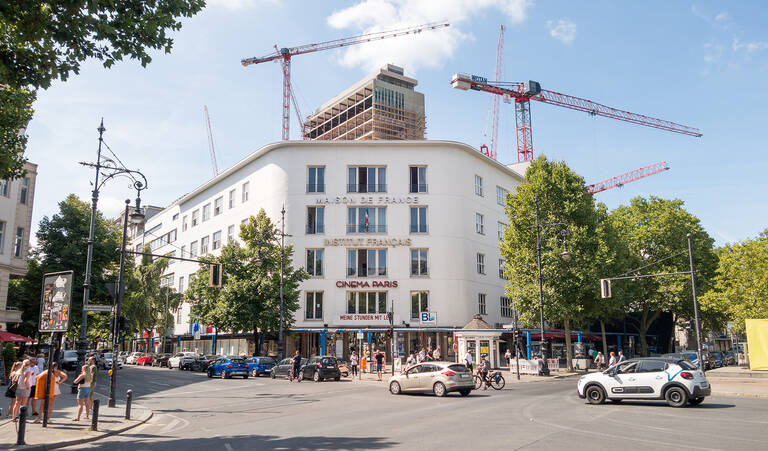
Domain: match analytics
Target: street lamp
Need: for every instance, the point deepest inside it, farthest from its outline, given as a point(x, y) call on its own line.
point(565, 255)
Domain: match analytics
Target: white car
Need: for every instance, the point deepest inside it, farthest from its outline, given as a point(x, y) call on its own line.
point(676, 381)
point(108, 361)
point(131, 359)
point(176, 360)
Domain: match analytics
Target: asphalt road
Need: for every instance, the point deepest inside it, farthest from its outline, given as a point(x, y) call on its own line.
point(194, 413)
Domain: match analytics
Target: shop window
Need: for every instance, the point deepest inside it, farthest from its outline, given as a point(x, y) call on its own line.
point(315, 262)
point(316, 180)
point(481, 306)
point(315, 220)
point(419, 303)
point(314, 305)
point(367, 220)
point(417, 179)
point(419, 262)
point(367, 179)
point(418, 219)
point(366, 262)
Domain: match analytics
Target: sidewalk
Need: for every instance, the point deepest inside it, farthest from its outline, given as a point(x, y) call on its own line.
point(62, 431)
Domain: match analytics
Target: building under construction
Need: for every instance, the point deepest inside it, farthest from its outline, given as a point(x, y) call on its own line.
point(382, 106)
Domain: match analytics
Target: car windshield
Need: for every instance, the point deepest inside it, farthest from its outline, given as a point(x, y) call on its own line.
point(108, 355)
point(238, 361)
point(329, 361)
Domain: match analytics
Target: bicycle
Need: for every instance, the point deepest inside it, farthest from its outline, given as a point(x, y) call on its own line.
point(495, 380)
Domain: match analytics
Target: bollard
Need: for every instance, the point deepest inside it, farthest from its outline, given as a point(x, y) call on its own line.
point(95, 416)
point(22, 426)
point(128, 398)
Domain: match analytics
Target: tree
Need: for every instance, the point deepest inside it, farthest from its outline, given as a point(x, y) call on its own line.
point(569, 285)
point(654, 231)
point(740, 288)
point(62, 244)
point(42, 41)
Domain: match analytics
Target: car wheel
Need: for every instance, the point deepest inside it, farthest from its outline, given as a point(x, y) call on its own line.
point(300, 377)
point(316, 377)
point(595, 394)
point(245, 376)
point(210, 373)
point(254, 373)
point(465, 392)
point(337, 378)
point(695, 401)
point(439, 389)
point(394, 388)
point(272, 374)
point(223, 374)
point(676, 397)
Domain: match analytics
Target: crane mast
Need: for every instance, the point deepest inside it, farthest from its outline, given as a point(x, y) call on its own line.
point(621, 180)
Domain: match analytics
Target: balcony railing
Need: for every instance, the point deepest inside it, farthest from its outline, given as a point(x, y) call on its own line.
point(363, 228)
point(367, 188)
point(419, 188)
point(316, 187)
point(315, 228)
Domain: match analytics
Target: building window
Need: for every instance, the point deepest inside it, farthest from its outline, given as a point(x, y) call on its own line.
point(366, 262)
point(193, 251)
point(366, 179)
point(5, 186)
point(178, 315)
point(506, 307)
point(418, 219)
point(218, 206)
point(479, 224)
point(315, 262)
point(315, 220)
point(206, 212)
point(216, 240)
point(24, 190)
point(166, 280)
point(500, 230)
point(417, 179)
point(367, 220)
point(501, 196)
point(195, 218)
point(231, 199)
point(17, 242)
point(481, 307)
point(502, 264)
point(204, 245)
point(419, 262)
point(181, 284)
point(2, 237)
point(184, 251)
point(171, 261)
point(419, 303)
point(316, 180)
point(366, 302)
point(184, 223)
point(480, 263)
point(230, 234)
point(246, 188)
point(314, 308)
point(479, 185)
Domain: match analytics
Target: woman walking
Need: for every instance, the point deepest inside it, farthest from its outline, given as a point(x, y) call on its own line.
point(57, 377)
point(83, 391)
point(353, 362)
point(22, 387)
point(10, 392)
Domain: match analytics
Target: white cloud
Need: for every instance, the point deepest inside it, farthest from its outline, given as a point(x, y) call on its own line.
point(721, 17)
point(563, 30)
point(427, 49)
point(749, 47)
point(239, 4)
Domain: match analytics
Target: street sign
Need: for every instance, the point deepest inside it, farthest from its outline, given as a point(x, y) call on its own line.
point(99, 308)
point(427, 319)
point(359, 335)
point(56, 302)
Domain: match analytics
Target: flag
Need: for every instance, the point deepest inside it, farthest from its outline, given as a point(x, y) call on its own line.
point(366, 219)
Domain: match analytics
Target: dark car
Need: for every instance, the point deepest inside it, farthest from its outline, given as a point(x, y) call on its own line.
point(283, 369)
point(320, 368)
point(203, 362)
point(161, 360)
point(69, 361)
point(730, 358)
point(709, 360)
point(260, 365)
point(719, 359)
point(226, 367)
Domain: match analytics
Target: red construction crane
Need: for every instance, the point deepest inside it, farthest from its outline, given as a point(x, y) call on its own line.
point(285, 54)
point(495, 101)
point(211, 148)
point(523, 93)
point(621, 180)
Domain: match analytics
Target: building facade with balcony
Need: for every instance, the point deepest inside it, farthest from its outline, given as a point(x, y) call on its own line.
point(409, 227)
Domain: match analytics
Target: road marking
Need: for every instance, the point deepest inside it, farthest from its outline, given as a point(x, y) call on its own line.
point(170, 425)
point(228, 446)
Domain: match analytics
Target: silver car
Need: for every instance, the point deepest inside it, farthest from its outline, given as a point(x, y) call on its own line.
point(439, 378)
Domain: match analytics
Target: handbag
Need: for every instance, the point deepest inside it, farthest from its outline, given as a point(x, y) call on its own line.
point(10, 392)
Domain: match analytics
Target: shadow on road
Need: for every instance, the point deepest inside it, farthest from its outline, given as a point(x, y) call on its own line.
point(638, 403)
point(250, 442)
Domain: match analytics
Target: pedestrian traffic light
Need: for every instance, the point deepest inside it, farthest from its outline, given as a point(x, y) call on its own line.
point(215, 279)
point(516, 334)
point(390, 331)
point(605, 288)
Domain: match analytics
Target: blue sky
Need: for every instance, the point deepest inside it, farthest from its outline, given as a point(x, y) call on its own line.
point(703, 64)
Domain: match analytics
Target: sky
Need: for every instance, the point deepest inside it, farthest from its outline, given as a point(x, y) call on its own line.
point(702, 64)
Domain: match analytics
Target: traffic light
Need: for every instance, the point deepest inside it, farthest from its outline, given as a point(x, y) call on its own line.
point(516, 334)
point(215, 279)
point(605, 288)
point(123, 325)
point(390, 331)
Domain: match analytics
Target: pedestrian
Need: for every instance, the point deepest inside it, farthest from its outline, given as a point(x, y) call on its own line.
point(468, 360)
point(41, 362)
point(613, 360)
point(600, 361)
point(422, 355)
point(508, 358)
point(10, 392)
point(83, 381)
point(411, 360)
point(23, 384)
point(57, 377)
point(353, 362)
point(379, 363)
point(296, 366)
point(482, 370)
point(429, 353)
point(94, 369)
point(621, 357)
point(33, 381)
point(436, 353)
point(540, 365)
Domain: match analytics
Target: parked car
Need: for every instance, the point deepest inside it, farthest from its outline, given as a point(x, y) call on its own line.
point(161, 360)
point(260, 365)
point(203, 362)
point(677, 381)
point(132, 358)
point(176, 360)
point(122, 356)
point(709, 359)
point(226, 367)
point(283, 369)
point(320, 368)
point(719, 359)
point(108, 361)
point(69, 360)
point(439, 378)
point(146, 359)
point(731, 358)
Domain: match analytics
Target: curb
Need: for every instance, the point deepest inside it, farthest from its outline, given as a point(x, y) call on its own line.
point(741, 395)
point(101, 435)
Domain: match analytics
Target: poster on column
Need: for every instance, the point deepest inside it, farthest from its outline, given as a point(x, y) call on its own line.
point(56, 302)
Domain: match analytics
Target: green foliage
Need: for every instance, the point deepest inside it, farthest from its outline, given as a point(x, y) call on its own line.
point(9, 356)
point(15, 113)
point(740, 289)
point(249, 298)
point(62, 245)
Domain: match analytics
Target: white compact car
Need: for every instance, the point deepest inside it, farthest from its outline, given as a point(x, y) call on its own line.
point(676, 381)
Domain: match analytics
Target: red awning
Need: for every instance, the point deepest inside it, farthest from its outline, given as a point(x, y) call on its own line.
point(8, 336)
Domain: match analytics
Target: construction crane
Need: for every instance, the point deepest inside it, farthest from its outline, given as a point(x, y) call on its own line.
point(285, 54)
point(523, 93)
point(210, 141)
point(496, 100)
point(621, 180)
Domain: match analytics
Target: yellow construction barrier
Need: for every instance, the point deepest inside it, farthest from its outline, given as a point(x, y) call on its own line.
point(757, 343)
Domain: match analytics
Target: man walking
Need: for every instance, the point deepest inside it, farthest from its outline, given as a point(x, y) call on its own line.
point(621, 356)
point(296, 366)
point(468, 360)
point(379, 363)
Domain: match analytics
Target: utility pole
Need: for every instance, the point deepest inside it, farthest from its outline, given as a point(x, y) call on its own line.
point(695, 305)
point(282, 265)
point(543, 342)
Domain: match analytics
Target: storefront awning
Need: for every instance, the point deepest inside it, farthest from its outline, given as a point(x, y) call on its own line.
point(9, 336)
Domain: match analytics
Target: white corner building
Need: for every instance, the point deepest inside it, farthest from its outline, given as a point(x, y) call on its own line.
point(408, 226)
